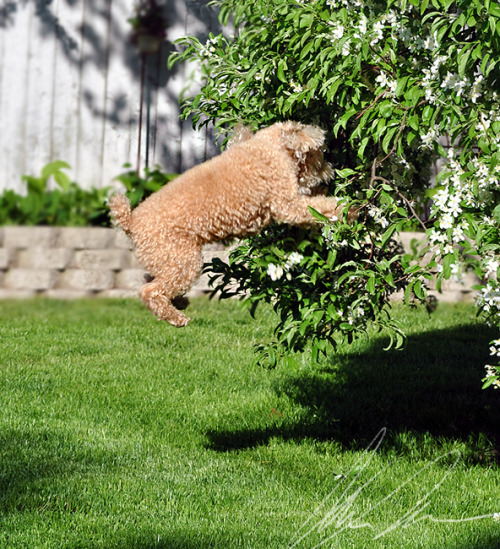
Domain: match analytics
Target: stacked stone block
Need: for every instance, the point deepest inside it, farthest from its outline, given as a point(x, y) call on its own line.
point(63, 262)
point(70, 262)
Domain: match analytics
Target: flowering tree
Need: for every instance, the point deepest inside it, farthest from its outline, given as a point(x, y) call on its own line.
point(398, 85)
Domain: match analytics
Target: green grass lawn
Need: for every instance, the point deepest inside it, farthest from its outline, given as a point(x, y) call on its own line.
point(120, 431)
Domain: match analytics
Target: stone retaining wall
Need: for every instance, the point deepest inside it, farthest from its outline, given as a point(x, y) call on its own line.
point(70, 262)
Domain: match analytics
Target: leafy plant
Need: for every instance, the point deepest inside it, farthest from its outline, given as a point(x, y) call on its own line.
point(68, 203)
point(397, 85)
point(140, 187)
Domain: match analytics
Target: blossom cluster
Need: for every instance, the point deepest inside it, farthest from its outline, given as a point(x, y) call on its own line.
point(461, 190)
point(494, 371)
point(209, 49)
point(353, 315)
point(377, 215)
point(275, 272)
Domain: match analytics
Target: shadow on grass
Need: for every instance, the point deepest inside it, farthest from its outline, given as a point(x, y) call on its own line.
point(30, 461)
point(491, 541)
point(146, 539)
point(432, 387)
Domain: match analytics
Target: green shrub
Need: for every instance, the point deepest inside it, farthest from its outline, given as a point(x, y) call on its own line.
point(140, 187)
point(68, 204)
point(386, 79)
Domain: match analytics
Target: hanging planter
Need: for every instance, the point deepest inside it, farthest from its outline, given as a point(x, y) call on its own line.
point(149, 26)
point(147, 43)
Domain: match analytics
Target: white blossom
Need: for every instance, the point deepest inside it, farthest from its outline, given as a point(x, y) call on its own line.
point(446, 221)
point(385, 82)
point(275, 272)
point(491, 266)
point(293, 259)
point(337, 31)
point(476, 93)
point(429, 138)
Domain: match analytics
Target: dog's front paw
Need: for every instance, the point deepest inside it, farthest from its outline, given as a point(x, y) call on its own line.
point(180, 321)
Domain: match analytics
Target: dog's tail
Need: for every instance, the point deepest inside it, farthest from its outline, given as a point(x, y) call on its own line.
point(121, 212)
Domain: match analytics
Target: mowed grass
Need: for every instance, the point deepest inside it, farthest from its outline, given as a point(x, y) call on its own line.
point(120, 431)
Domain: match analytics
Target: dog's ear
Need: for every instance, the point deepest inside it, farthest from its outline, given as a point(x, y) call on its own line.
point(302, 139)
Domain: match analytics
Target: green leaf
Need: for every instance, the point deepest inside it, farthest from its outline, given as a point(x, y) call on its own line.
point(306, 50)
point(494, 9)
point(36, 185)
point(386, 109)
point(331, 88)
point(362, 147)
point(344, 119)
point(427, 113)
point(370, 285)
point(282, 67)
point(388, 138)
point(401, 85)
point(413, 122)
point(419, 290)
point(53, 167)
point(462, 63)
point(496, 213)
point(387, 235)
point(411, 137)
point(318, 215)
point(345, 173)
point(484, 62)
point(63, 180)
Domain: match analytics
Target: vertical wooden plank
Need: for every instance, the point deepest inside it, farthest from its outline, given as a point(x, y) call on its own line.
point(166, 85)
point(68, 19)
point(122, 99)
point(175, 145)
point(4, 23)
point(40, 76)
point(197, 146)
point(15, 67)
point(93, 82)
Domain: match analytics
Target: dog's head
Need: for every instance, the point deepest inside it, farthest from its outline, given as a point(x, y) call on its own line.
point(304, 145)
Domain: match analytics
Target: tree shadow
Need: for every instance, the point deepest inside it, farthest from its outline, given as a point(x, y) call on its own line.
point(486, 541)
point(432, 387)
point(174, 538)
point(101, 38)
point(32, 458)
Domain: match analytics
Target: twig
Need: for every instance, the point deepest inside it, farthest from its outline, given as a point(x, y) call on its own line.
point(402, 196)
point(370, 106)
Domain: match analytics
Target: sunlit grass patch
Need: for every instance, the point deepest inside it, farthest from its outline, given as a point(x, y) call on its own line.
point(119, 431)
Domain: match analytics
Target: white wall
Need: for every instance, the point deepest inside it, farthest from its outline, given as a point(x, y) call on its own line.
point(70, 90)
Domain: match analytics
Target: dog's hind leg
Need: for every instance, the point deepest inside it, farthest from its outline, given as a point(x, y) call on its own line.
point(174, 277)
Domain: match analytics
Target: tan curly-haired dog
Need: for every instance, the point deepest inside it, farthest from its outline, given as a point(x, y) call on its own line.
point(271, 175)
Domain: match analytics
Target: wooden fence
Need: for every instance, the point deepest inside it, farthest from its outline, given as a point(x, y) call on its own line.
point(70, 89)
